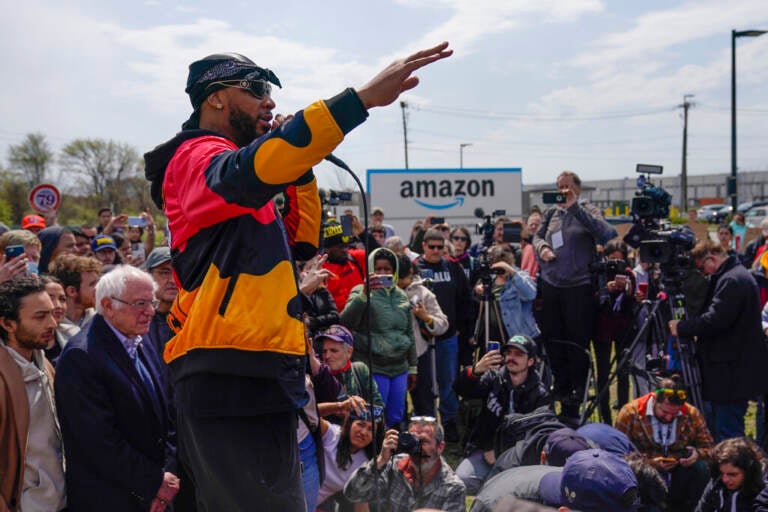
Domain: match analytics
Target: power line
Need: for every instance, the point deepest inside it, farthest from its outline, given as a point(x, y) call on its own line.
point(466, 113)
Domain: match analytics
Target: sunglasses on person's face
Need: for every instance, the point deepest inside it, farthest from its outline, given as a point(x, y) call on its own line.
point(256, 87)
point(435, 247)
point(459, 238)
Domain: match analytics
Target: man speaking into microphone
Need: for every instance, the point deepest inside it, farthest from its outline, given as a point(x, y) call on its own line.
point(238, 355)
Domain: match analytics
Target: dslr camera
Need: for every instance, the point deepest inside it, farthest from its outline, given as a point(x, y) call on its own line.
point(408, 443)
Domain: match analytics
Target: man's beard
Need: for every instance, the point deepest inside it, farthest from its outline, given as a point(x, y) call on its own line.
point(26, 340)
point(425, 463)
point(246, 127)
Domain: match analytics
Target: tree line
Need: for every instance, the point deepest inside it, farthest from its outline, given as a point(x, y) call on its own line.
point(89, 173)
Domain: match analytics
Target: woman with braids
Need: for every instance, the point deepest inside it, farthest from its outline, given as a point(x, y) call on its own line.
point(347, 447)
point(738, 468)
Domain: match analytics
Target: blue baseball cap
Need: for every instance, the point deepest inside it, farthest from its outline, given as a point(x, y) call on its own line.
point(592, 481)
point(608, 438)
point(562, 444)
point(102, 242)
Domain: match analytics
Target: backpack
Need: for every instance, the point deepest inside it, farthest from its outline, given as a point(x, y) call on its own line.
point(515, 427)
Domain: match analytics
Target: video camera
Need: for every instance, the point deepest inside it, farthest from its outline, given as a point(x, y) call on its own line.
point(610, 268)
point(513, 231)
point(333, 198)
point(651, 202)
point(657, 240)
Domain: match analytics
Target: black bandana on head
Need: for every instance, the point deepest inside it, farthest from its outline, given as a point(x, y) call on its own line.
point(215, 68)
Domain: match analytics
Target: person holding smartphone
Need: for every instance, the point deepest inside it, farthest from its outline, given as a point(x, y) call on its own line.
point(673, 436)
point(392, 340)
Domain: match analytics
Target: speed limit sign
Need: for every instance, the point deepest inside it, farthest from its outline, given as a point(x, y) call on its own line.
point(45, 198)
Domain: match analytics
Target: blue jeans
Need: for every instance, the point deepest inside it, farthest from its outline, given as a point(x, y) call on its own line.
point(473, 471)
point(447, 362)
point(725, 420)
point(392, 390)
point(310, 473)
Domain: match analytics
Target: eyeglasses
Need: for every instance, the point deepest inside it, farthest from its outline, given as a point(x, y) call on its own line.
point(257, 88)
point(423, 419)
point(436, 247)
point(669, 393)
point(139, 304)
point(459, 239)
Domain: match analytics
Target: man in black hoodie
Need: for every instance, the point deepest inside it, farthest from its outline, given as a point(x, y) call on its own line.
point(448, 282)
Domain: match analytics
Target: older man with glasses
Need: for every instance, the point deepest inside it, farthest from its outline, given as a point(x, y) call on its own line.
point(410, 473)
point(111, 402)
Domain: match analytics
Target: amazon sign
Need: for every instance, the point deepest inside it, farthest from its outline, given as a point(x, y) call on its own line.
point(410, 194)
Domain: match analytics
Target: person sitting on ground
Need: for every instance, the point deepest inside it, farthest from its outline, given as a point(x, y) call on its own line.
point(348, 447)
point(419, 478)
point(506, 382)
point(337, 346)
point(738, 476)
point(392, 343)
point(673, 435)
point(523, 481)
point(592, 481)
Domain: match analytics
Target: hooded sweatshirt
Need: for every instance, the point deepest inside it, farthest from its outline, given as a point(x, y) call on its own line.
point(391, 332)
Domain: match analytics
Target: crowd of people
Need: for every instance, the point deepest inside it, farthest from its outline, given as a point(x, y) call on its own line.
point(255, 358)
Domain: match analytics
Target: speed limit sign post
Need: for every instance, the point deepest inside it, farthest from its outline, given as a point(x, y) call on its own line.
point(45, 198)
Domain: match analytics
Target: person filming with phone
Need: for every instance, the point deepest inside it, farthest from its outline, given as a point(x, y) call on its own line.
point(674, 437)
point(391, 335)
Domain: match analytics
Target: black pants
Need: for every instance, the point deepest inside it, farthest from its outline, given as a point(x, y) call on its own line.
point(568, 315)
point(242, 463)
point(422, 397)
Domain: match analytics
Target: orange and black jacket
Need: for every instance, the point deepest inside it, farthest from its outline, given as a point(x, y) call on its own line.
point(238, 311)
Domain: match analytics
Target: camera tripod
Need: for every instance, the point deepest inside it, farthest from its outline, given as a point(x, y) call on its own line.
point(658, 334)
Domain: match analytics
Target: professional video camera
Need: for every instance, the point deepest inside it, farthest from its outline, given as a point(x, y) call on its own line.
point(610, 268)
point(651, 202)
point(333, 198)
point(655, 237)
point(512, 235)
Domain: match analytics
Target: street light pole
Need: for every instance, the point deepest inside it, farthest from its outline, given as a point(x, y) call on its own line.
point(733, 189)
point(461, 153)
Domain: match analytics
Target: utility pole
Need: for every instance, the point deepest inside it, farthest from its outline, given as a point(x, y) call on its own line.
point(461, 153)
point(684, 174)
point(403, 106)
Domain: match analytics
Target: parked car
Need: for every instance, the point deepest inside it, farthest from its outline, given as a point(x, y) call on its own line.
point(711, 212)
point(756, 215)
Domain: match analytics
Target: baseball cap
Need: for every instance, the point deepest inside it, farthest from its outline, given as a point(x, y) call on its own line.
point(523, 342)
point(608, 438)
point(592, 481)
point(32, 221)
point(157, 257)
point(103, 242)
point(333, 234)
point(377, 209)
point(563, 443)
point(338, 333)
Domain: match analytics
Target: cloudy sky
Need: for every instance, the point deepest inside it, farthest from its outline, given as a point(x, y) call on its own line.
point(588, 85)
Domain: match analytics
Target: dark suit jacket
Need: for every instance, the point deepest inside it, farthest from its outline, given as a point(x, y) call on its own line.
point(117, 444)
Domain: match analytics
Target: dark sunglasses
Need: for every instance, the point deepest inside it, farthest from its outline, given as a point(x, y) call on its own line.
point(436, 247)
point(257, 87)
point(459, 238)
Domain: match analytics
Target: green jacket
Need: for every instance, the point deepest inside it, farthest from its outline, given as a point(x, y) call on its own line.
point(394, 346)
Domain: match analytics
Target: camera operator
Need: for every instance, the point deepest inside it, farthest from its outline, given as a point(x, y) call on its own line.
point(418, 478)
point(565, 244)
point(731, 346)
point(614, 317)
